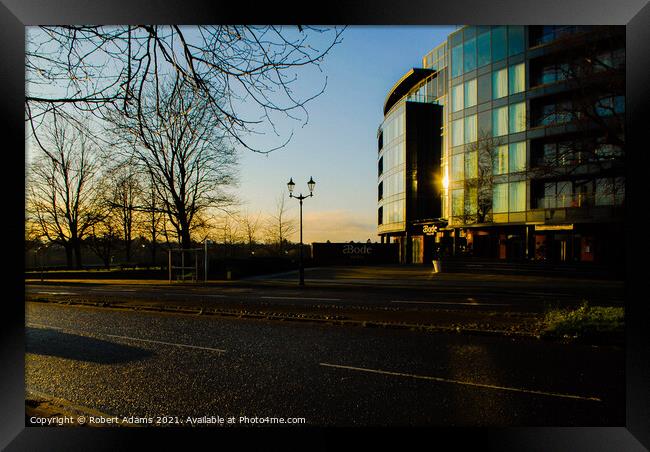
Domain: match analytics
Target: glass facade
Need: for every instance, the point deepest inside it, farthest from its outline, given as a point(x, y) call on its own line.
point(393, 176)
point(501, 124)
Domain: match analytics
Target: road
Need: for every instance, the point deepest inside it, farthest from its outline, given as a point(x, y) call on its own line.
point(368, 287)
point(147, 365)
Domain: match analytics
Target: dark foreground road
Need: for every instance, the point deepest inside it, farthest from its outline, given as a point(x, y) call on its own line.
point(127, 363)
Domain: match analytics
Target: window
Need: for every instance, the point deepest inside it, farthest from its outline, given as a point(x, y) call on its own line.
point(456, 61)
point(457, 167)
point(471, 165)
point(380, 166)
point(380, 191)
point(380, 215)
point(500, 83)
point(517, 196)
point(517, 117)
point(457, 202)
point(469, 54)
point(500, 164)
point(483, 46)
point(457, 132)
point(516, 78)
point(515, 39)
point(470, 93)
point(457, 98)
point(484, 88)
point(500, 198)
point(500, 121)
point(484, 123)
point(517, 157)
point(610, 191)
point(498, 43)
point(471, 201)
point(470, 128)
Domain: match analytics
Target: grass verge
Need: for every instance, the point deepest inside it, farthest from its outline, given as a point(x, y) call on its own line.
point(595, 324)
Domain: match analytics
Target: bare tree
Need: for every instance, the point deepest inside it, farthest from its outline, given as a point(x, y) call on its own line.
point(280, 227)
point(104, 237)
point(175, 138)
point(250, 225)
point(63, 197)
point(108, 68)
point(479, 190)
point(124, 199)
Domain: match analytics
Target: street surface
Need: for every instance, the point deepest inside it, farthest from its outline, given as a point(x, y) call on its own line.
point(142, 364)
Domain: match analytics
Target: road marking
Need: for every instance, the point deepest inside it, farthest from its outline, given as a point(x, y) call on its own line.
point(466, 383)
point(40, 325)
point(302, 298)
point(130, 338)
point(198, 295)
point(165, 343)
point(451, 302)
point(57, 293)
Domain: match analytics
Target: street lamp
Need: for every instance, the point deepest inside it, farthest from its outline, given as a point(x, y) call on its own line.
point(290, 185)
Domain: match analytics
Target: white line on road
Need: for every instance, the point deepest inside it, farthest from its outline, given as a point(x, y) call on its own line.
point(466, 383)
point(302, 298)
point(56, 293)
point(40, 325)
point(131, 338)
point(451, 302)
point(166, 343)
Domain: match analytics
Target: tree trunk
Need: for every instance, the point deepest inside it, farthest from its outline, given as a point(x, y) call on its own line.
point(68, 256)
point(77, 254)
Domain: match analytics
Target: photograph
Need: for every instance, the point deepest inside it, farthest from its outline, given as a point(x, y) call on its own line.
point(276, 228)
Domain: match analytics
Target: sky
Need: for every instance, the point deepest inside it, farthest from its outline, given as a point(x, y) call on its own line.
point(338, 146)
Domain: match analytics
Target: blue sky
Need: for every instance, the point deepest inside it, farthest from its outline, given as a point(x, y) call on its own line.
point(338, 146)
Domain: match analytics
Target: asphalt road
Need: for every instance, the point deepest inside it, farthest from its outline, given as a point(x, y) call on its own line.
point(371, 288)
point(148, 365)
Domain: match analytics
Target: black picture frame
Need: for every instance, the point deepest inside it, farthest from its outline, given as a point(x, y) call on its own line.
point(634, 14)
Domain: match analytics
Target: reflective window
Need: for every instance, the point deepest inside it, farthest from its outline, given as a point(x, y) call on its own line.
point(500, 198)
point(471, 201)
point(457, 167)
point(457, 98)
point(457, 132)
point(517, 117)
point(471, 165)
point(484, 88)
point(484, 124)
point(498, 43)
point(500, 83)
point(470, 128)
point(469, 55)
point(457, 202)
point(516, 78)
point(517, 196)
point(517, 157)
point(470, 93)
point(515, 39)
point(500, 165)
point(500, 121)
point(483, 47)
point(456, 61)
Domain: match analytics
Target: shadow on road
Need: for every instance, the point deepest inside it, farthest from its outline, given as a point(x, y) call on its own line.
point(45, 341)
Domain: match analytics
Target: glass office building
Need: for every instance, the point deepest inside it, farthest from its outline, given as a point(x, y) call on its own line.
point(528, 142)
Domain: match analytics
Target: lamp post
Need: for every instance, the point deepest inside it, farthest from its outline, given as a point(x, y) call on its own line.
point(205, 256)
point(311, 184)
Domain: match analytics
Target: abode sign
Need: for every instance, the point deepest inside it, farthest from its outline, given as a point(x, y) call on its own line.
point(355, 253)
